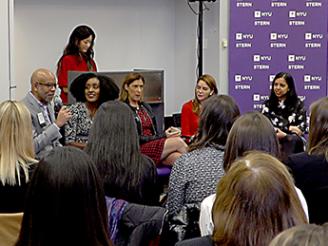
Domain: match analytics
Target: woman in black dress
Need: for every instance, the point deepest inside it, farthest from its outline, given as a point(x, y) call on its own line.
point(286, 112)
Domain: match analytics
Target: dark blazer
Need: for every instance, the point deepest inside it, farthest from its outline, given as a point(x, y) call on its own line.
point(156, 135)
point(198, 241)
point(311, 176)
point(45, 137)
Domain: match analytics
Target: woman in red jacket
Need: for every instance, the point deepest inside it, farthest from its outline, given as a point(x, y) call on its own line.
point(77, 56)
point(205, 87)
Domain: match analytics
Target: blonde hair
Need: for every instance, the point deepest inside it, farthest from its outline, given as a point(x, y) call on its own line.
point(16, 145)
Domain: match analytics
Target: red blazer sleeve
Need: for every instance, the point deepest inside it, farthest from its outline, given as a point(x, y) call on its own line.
point(186, 116)
point(66, 64)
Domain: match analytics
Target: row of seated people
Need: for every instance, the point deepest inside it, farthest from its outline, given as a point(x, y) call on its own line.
point(105, 126)
point(91, 90)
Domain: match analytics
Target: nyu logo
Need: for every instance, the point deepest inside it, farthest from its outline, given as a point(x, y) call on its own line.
point(241, 36)
point(275, 36)
point(293, 14)
point(310, 36)
point(240, 78)
point(293, 58)
point(259, 14)
point(258, 58)
point(310, 78)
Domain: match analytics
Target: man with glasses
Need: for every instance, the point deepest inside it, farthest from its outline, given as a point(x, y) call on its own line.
point(46, 129)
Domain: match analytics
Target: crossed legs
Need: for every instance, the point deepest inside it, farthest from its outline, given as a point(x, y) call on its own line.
point(174, 147)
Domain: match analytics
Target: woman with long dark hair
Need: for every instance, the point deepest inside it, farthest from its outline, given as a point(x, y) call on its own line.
point(114, 147)
point(310, 168)
point(65, 202)
point(194, 175)
point(287, 113)
point(77, 56)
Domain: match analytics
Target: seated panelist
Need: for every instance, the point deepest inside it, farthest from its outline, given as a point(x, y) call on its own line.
point(164, 148)
point(205, 88)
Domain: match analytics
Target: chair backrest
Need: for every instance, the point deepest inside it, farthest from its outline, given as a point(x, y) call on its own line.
point(10, 225)
point(176, 119)
point(136, 225)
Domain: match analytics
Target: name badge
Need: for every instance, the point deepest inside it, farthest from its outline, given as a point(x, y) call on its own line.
point(41, 119)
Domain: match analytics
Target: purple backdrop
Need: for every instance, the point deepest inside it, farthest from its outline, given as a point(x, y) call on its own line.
point(267, 37)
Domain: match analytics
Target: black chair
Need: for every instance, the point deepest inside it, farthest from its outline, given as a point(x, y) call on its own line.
point(176, 119)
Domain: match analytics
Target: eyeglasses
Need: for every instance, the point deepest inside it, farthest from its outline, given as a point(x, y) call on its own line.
point(49, 85)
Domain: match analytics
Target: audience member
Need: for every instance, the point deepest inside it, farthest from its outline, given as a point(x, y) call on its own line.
point(302, 235)
point(310, 168)
point(65, 202)
point(114, 147)
point(77, 56)
point(163, 149)
point(46, 129)
point(16, 155)
point(205, 88)
point(286, 112)
point(195, 174)
point(251, 131)
point(90, 91)
point(255, 201)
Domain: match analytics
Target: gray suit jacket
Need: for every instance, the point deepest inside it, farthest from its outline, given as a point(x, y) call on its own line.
point(46, 136)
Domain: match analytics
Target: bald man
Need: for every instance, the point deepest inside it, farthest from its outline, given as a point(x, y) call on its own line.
point(39, 101)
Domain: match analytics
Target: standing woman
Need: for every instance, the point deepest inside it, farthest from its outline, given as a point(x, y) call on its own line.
point(90, 91)
point(205, 87)
point(78, 56)
point(286, 112)
point(16, 155)
point(161, 148)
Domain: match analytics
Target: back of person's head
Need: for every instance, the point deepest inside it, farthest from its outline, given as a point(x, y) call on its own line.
point(318, 135)
point(251, 131)
point(114, 147)
point(16, 145)
point(65, 203)
point(108, 89)
point(302, 235)
point(216, 119)
point(255, 200)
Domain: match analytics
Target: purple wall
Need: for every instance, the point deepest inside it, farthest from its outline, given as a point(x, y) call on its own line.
point(267, 37)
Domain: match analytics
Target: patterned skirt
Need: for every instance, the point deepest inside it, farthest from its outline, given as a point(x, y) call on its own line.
point(153, 149)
